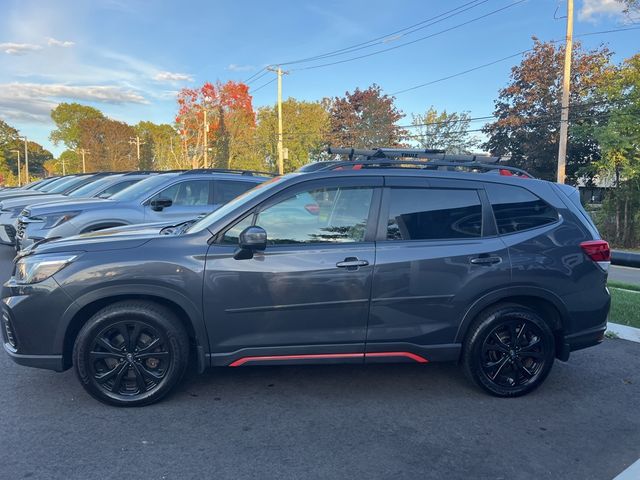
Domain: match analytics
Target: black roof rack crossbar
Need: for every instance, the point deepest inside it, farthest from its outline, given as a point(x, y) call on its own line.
point(430, 165)
point(427, 154)
point(228, 170)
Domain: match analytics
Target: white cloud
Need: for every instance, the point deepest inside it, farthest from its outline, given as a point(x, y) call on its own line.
point(172, 77)
point(240, 68)
point(12, 48)
point(594, 8)
point(33, 101)
point(52, 42)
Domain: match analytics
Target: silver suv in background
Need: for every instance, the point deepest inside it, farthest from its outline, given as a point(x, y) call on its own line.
point(167, 197)
point(102, 186)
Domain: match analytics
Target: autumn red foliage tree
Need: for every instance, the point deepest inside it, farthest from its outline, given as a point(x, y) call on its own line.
point(229, 114)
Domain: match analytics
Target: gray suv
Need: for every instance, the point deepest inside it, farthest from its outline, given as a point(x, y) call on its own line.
point(168, 197)
point(363, 261)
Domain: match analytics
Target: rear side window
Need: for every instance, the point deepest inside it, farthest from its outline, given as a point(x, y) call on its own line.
point(433, 214)
point(517, 209)
point(226, 190)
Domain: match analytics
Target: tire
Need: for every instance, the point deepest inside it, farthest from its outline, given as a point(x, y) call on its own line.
point(509, 350)
point(131, 353)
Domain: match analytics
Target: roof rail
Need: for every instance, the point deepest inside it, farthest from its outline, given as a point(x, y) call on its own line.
point(228, 170)
point(430, 154)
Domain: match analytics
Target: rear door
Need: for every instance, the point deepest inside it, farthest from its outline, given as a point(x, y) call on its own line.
point(437, 252)
point(190, 199)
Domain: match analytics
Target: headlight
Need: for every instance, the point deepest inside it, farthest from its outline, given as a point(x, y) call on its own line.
point(36, 268)
point(51, 221)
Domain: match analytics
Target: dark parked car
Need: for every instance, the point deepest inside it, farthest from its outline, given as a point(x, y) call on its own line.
point(377, 263)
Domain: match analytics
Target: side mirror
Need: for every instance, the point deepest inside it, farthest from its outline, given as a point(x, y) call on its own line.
point(159, 204)
point(251, 240)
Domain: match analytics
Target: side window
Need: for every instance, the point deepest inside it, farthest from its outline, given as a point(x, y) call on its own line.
point(517, 209)
point(230, 237)
point(333, 215)
point(225, 191)
point(189, 193)
point(430, 214)
point(107, 192)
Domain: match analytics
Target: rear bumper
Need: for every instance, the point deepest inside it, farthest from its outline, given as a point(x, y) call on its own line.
point(580, 340)
point(49, 362)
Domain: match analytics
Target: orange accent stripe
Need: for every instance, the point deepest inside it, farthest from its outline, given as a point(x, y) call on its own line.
point(243, 360)
point(410, 355)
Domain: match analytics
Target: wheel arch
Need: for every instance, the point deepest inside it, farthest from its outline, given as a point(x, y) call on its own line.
point(102, 225)
point(85, 307)
point(546, 303)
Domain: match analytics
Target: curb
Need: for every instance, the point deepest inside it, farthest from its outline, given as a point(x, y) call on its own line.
point(625, 258)
point(624, 332)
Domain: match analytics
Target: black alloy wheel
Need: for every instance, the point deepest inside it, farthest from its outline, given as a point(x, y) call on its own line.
point(131, 353)
point(509, 351)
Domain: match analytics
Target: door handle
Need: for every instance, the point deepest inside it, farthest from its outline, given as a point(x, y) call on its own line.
point(486, 260)
point(352, 263)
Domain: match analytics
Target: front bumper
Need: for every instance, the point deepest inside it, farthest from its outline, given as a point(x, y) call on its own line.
point(49, 362)
point(7, 235)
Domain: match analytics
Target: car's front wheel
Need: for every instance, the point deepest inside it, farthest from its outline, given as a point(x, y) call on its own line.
point(131, 353)
point(509, 351)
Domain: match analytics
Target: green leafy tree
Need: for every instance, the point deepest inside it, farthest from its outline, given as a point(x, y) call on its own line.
point(306, 125)
point(619, 140)
point(160, 146)
point(68, 118)
point(528, 110)
point(68, 162)
point(364, 119)
point(448, 131)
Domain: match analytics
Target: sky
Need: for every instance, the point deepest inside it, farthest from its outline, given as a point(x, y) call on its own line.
point(129, 58)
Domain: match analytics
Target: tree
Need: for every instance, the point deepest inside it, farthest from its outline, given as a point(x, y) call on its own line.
point(68, 117)
point(364, 119)
point(108, 143)
point(448, 131)
point(71, 161)
point(630, 5)
point(305, 132)
point(619, 140)
point(230, 116)
point(528, 110)
point(10, 141)
point(160, 146)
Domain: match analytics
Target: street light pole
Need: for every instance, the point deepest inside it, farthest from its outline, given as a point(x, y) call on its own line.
point(566, 85)
point(205, 141)
point(136, 141)
point(26, 159)
point(19, 179)
point(82, 152)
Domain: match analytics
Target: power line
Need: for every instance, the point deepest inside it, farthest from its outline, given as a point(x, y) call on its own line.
point(390, 36)
point(263, 85)
point(263, 69)
point(488, 64)
point(454, 27)
point(249, 82)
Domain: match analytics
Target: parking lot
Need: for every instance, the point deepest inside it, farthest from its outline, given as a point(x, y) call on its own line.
point(387, 421)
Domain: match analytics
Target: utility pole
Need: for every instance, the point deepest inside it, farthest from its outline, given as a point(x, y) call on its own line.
point(566, 85)
point(26, 159)
point(82, 152)
point(205, 140)
point(136, 141)
point(19, 179)
point(279, 72)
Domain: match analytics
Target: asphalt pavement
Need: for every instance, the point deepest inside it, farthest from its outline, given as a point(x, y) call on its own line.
point(325, 422)
point(624, 274)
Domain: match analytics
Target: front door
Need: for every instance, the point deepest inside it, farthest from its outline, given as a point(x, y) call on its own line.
point(306, 297)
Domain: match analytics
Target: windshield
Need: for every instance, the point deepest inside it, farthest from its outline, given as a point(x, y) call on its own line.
point(51, 185)
point(93, 188)
point(60, 187)
point(229, 207)
point(141, 189)
point(44, 183)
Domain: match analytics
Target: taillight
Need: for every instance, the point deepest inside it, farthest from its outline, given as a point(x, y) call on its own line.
point(597, 250)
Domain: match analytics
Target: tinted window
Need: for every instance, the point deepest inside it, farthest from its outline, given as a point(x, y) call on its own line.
point(429, 214)
point(225, 191)
point(113, 189)
point(189, 193)
point(318, 216)
point(518, 209)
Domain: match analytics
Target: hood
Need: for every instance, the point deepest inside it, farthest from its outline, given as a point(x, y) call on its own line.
point(92, 242)
point(84, 204)
point(11, 203)
point(19, 193)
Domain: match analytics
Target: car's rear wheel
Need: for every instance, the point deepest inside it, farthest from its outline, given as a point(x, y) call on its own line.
point(509, 351)
point(131, 353)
